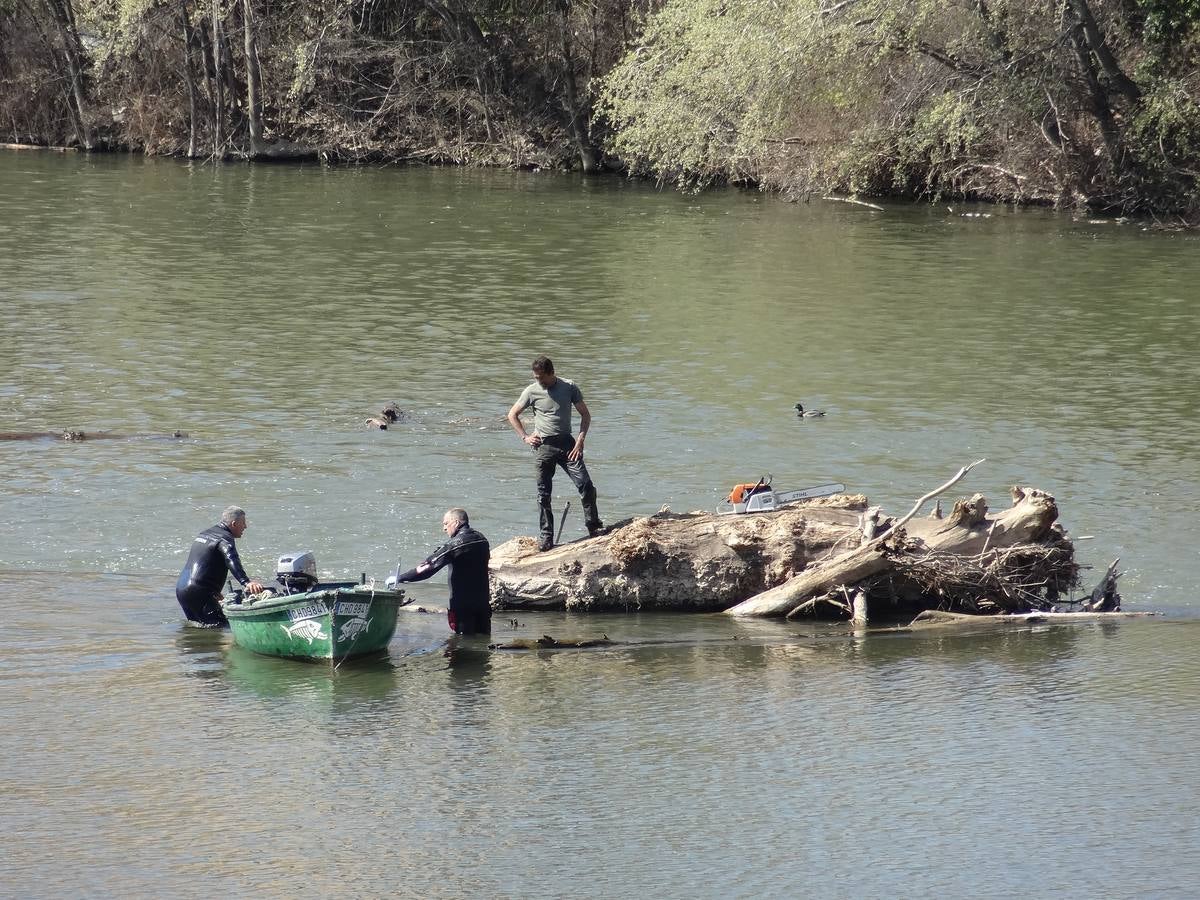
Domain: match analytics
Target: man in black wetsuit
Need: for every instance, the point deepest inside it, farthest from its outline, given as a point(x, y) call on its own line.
point(213, 556)
point(467, 553)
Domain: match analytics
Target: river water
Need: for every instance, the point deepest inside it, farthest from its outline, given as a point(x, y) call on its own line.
point(266, 311)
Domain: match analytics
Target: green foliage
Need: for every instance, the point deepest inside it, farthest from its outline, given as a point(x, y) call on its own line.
point(711, 84)
point(946, 130)
point(120, 25)
point(666, 100)
point(1171, 31)
point(913, 96)
point(1169, 20)
point(753, 88)
point(1164, 135)
point(304, 75)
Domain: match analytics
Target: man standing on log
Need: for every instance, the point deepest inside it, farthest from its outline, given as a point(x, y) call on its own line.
point(553, 445)
point(467, 553)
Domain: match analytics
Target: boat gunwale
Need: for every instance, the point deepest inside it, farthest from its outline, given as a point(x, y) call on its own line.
point(325, 594)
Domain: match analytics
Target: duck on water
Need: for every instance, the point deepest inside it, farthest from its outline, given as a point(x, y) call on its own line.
point(389, 415)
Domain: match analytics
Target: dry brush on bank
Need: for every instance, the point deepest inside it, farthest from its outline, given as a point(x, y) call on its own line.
point(382, 80)
point(1090, 103)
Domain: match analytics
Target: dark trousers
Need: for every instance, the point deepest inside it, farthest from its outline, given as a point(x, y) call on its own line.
point(469, 623)
point(200, 605)
point(548, 457)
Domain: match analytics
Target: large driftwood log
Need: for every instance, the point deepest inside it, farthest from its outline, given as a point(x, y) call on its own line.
point(851, 567)
point(802, 557)
point(694, 561)
point(968, 533)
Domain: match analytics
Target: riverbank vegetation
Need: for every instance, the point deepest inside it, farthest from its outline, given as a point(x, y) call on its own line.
point(1083, 103)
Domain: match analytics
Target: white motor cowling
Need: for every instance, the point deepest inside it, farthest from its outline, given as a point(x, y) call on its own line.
point(297, 572)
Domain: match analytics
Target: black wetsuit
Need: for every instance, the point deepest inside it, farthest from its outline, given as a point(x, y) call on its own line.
point(213, 556)
point(467, 554)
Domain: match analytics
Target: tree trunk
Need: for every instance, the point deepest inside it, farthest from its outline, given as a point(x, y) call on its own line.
point(218, 88)
point(253, 81)
point(1099, 46)
point(1097, 100)
point(68, 32)
point(209, 75)
point(583, 143)
point(189, 75)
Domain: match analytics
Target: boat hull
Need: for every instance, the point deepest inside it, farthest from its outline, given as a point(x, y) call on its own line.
point(332, 622)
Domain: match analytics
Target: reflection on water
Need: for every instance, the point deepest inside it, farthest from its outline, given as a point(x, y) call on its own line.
point(352, 683)
point(268, 310)
point(1058, 350)
point(453, 770)
point(468, 658)
point(202, 650)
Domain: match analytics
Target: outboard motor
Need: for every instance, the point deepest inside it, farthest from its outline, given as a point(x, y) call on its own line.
point(296, 572)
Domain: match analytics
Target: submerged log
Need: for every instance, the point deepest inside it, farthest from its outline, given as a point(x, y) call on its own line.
point(936, 618)
point(37, 147)
point(806, 557)
point(282, 151)
point(546, 642)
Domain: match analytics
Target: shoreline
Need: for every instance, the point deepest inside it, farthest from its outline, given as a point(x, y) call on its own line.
point(295, 153)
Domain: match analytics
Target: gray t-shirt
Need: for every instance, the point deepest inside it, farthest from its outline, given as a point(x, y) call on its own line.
point(551, 408)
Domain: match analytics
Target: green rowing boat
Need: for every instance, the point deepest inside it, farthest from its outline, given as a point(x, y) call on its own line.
point(329, 622)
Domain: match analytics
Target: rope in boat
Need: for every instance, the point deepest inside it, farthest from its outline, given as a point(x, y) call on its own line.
point(337, 665)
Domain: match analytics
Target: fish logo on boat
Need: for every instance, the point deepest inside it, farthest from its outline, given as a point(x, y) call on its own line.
point(352, 628)
point(309, 628)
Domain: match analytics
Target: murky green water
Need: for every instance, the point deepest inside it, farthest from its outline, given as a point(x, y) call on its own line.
point(267, 311)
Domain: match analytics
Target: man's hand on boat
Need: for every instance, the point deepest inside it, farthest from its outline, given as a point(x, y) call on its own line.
point(254, 587)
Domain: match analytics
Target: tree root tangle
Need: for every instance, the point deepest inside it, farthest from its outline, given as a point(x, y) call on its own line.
point(827, 557)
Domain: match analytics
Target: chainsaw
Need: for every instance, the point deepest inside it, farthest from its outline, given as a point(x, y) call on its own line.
point(761, 497)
